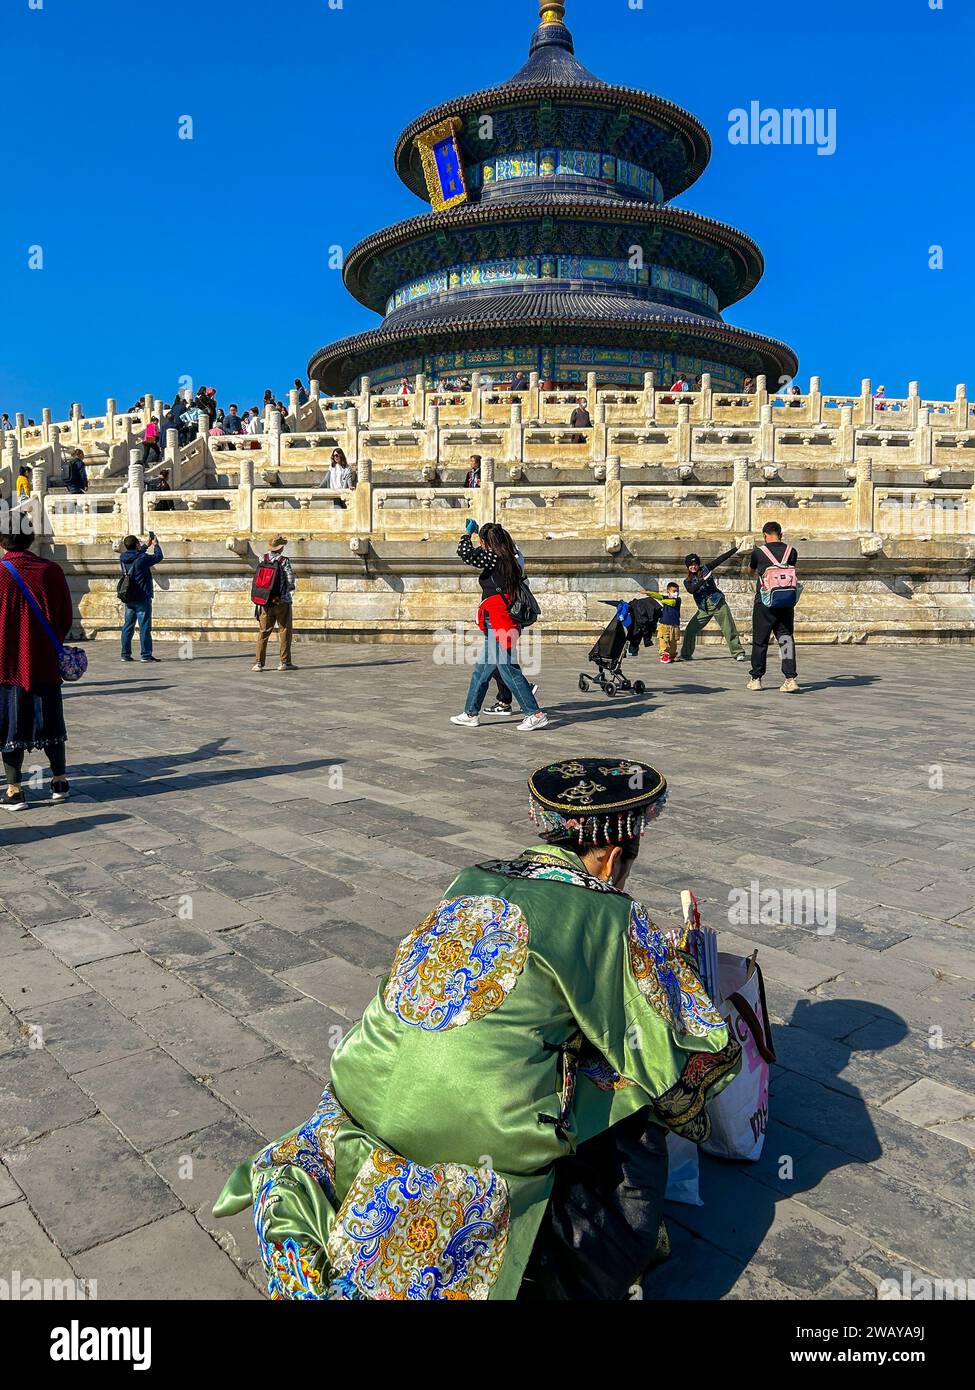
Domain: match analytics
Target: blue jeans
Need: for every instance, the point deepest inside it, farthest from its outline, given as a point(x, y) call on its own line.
point(494, 658)
point(142, 612)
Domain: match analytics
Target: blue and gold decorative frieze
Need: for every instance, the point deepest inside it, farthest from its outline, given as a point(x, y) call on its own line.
point(511, 270)
point(551, 163)
point(443, 166)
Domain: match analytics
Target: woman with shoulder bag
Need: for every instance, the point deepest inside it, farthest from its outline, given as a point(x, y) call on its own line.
point(499, 575)
point(31, 708)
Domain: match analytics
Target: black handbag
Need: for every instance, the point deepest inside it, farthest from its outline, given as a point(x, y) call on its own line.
point(524, 607)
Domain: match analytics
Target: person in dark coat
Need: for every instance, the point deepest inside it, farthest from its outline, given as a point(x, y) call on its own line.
point(31, 708)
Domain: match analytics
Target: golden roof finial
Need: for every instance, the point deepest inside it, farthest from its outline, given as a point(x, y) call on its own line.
point(553, 11)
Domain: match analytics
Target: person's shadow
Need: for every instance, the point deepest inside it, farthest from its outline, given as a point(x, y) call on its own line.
point(818, 1122)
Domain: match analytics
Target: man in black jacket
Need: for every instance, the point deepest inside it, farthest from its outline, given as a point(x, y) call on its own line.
point(711, 603)
point(766, 621)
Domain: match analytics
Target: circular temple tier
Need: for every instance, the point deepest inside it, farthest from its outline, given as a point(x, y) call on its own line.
point(550, 247)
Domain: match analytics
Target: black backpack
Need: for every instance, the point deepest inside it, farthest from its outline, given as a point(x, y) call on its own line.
point(127, 589)
point(524, 607)
point(267, 584)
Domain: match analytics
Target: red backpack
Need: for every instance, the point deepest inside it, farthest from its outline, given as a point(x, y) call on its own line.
point(267, 583)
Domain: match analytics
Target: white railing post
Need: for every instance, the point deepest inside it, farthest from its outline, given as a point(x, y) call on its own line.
point(135, 498)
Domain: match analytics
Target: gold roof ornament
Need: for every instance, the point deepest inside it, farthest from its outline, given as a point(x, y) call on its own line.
point(446, 184)
point(553, 12)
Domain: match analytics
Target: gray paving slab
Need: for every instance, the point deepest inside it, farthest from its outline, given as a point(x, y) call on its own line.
point(259, 905)
point(87, 1185)
point(159, 1261)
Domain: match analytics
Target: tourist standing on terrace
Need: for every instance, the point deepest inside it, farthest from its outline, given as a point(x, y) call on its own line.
point(76, 479)
point(767, 620)
point(31, 709)
point(499, 576)
point(580, 419)
point(137, 561)
point(711, 603)
point(473, 478)
point(150, 443)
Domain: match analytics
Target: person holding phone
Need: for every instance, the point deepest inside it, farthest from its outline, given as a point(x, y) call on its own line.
point(137, 561)
point(499, 575)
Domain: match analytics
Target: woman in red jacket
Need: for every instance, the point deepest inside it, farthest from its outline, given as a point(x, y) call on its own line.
point(500, 575)
point(31, 710)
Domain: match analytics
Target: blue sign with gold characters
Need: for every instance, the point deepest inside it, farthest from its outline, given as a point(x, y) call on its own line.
point(443, 166)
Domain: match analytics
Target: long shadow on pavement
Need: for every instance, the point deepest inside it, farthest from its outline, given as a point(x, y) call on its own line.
point(713, 1244)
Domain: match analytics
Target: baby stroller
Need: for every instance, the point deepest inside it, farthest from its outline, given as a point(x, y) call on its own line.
point(633, 625)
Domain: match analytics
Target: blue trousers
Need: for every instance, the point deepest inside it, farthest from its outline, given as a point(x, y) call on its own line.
point(495, 658)
point(143, 613)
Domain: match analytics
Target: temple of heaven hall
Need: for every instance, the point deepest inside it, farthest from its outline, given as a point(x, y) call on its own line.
point(550, 246)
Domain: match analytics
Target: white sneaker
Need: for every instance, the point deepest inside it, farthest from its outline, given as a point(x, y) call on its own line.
point(468, 721)
point(257, 668)
point(740, 658)
point(533, 721)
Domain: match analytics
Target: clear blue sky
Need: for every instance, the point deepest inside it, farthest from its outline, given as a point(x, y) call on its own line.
point(209, 258)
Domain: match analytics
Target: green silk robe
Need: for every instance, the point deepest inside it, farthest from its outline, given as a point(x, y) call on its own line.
point(534, 1008)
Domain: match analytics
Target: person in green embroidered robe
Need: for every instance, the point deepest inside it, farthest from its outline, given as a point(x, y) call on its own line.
point(494, 1127)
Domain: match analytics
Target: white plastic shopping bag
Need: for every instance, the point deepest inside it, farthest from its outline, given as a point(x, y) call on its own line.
point(684, 1173)
point(739, 1115)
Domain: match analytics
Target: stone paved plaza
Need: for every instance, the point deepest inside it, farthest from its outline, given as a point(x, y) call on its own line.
point(183, 943)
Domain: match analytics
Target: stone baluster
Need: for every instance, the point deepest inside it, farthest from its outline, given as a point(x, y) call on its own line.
point(485, 502)
point(761, 394)
point(57, 452)
point(76, 422)
point(476, 396)
point(362, 499)
point(649, 398)
point(293, 408)
point(147, 406)
point(171, 458)
point(157, 410)
point(600, 434)
point(245, 496)
point(866, 402)
point(111, 410)
point(913, 404)
point(20, 422)
point(961, 406)
point(420, 404)
point(591, 394)
point(431, 439)
point(846, 439)
point(365, 403)
point(352, 435)
point(46, 425)
point(516, 435)
point(9, 464)
point(924, 440)
point(136, 496)
point(766, 435)
point(741, 499)
point(38, 506)
point(613, 489)
point(707, 398)
point(683, 436)
point(815, 400)
point(534, 407)
point(863, 497)
point(274, 439)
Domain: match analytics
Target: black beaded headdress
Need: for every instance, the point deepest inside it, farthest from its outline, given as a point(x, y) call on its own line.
point(596, 801)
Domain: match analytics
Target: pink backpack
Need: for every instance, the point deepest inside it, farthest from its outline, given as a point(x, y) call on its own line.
point(779, 584)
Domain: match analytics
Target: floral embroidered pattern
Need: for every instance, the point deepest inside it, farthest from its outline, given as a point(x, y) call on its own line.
point(291, 1268)
point(601, 1072)
point(312, 1147)
point(682, 1107)
point(667, 979)
point(415, 1233)
point(459, 964)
